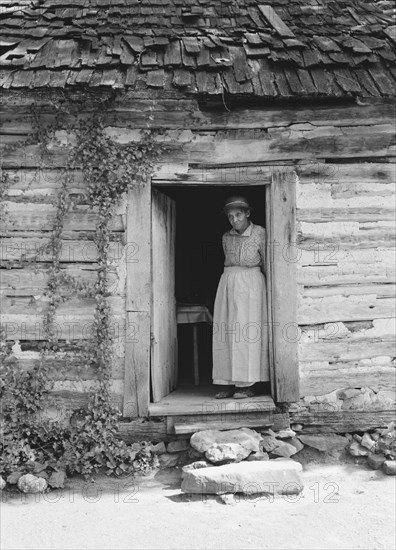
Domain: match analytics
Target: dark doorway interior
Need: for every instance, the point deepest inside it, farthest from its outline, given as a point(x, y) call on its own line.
point(199, 261)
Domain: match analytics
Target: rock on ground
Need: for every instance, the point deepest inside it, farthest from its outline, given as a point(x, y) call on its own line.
point(324, 442)
point(284, 449)
point(159, 448)
point(177, 446)
point(168, 460)
point(389, 467)
point(279, 476)
point(286, 433)
point(196, 465)
point(367, 442)
point(296, 443)
point(356, 449)
point(261, 455)
point(269, 443)
point(226, 452)
point(247, 438)
point(375, 461)
point(29, 483)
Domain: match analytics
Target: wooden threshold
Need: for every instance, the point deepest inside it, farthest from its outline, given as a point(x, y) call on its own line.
point(200, 400)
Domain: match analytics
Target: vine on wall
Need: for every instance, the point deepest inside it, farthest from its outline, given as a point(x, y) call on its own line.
point(32, 442)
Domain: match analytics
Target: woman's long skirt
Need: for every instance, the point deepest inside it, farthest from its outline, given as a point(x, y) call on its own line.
point(240, 328)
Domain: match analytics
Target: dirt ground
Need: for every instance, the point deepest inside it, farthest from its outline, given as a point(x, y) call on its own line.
point(342, 506)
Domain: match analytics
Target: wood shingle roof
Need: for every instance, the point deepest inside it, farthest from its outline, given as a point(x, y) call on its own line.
point(264, 48)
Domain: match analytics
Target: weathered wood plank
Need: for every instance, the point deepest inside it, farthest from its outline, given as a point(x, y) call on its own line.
point(335, 376)
point(33, 280)
point(200, 401)
point(34, 217)
point(15, 249)
point(344, 308)
point(345, 350)
point(270, 285)
point(137, 362)
point(185, 174)
point(215, 423)
point(68, 327)
point(344, 145)
point(280, 144)
point(342, 421)
point(254, 419)
point(275, 21)
point(138, 263)
point(36, 305)
point(347, 214)
point(185, 113)
point(284, 277)
point(380, 290)
point(358, 258)
point(342, 176)
point(142, 429)
point(70, 366)
point(164, 327)
point(345, 274)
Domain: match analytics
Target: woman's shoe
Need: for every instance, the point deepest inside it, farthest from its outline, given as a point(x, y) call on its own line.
point(243, 393)
point(224, 394)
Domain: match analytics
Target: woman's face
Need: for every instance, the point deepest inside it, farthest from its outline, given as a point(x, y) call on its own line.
point(238, 218)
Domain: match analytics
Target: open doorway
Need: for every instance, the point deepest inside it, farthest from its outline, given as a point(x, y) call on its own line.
point(197, 267)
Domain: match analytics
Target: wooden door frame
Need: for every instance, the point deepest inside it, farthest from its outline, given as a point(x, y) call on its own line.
point(280, 196)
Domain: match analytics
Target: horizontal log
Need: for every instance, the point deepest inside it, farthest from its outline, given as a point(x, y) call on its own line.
point(142, 429)
point(358, 258)
point(342, 180)
point(67, 327)
point(348, 213)
point(186, 113)
point(32, 281)
point(380, 290)
point(16, 249)
point(337, 350)
point(189, 424)
point(335, 376)
point(72, 400)
point(347, 180)
point(342, 308)
point(342, 421)
point(38, 305)
point(282, 147)
point(41, 217)
point(137, 114)
point(280, 144)
point(345, 275)
point(242, 174)
point(44, 183)
point(70, 366)
point(381, 238)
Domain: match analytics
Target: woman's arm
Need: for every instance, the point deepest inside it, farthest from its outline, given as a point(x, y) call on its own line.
point(263, 250)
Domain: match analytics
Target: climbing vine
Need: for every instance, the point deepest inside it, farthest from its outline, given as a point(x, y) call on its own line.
point(32, 442)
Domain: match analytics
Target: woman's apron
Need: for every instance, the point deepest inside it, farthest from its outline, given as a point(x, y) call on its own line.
point(240, 328)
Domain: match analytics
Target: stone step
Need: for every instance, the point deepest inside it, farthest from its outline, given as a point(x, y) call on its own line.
point(279, 476)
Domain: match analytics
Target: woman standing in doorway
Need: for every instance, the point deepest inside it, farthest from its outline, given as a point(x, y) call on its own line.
point(240, 331)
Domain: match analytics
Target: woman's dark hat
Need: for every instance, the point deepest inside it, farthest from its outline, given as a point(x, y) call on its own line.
point(236, 202)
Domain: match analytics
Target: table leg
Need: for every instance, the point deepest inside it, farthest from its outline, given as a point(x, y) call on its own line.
point(195, 352)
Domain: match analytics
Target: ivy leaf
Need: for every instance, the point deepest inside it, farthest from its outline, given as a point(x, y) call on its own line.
point(13, 478)
point(57, 479)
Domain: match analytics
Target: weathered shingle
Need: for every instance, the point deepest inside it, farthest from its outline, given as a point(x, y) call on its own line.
point(274, 48)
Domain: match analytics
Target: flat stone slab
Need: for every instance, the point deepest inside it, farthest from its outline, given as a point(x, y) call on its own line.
point(324, 442)
point(279, 476)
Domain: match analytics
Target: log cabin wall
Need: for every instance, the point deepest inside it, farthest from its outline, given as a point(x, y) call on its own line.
point(343, 154)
